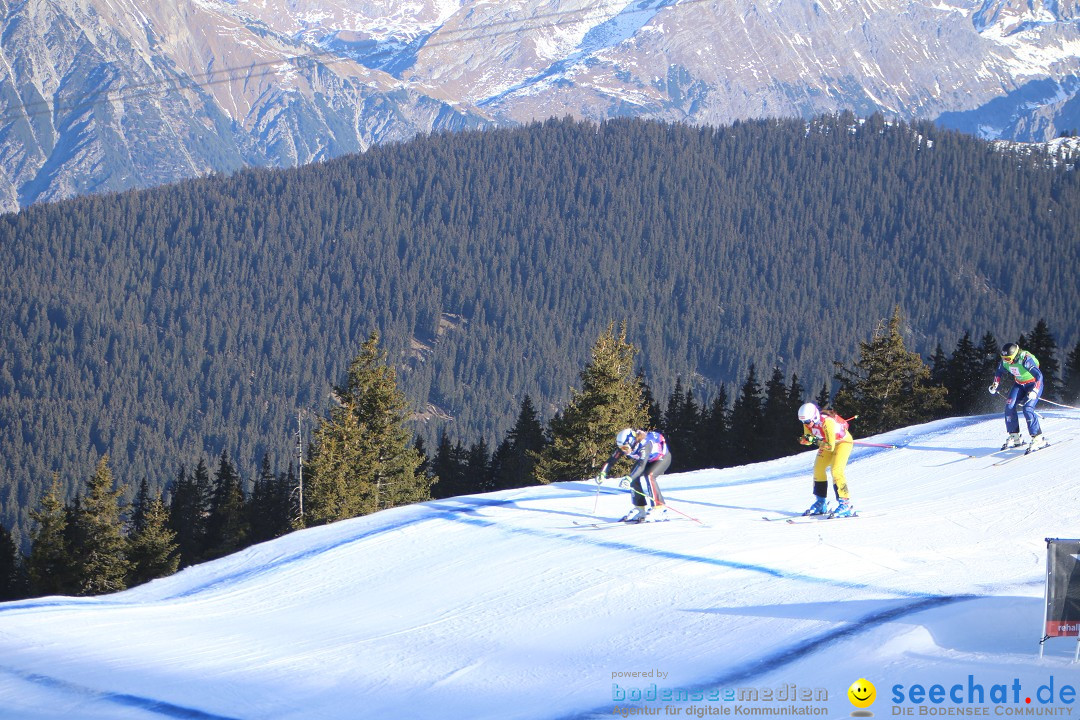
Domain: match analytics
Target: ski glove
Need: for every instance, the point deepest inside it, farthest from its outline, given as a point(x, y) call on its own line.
point(806, 440)
point(1032, 395)
point(624, 481)
point(993, 388)
point(601, 477)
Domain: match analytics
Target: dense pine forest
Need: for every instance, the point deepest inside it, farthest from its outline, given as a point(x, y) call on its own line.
point(198, 321)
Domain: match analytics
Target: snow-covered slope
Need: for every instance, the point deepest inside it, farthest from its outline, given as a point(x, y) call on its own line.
point(500, 606)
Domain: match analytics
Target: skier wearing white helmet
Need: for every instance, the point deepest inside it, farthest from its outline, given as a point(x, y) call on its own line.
point(835, 442)
point(650, 451)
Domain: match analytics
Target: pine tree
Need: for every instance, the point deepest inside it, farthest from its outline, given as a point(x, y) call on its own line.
point(226, 526)
point(188, 511)
point(887, 387)
point(336, 457)
point(681, 420)
point(714, 434)
point(689, 445)
point(460, 471)
point(258, 506)
point(514, 461)
point(103, 565)
point(939, 367)
point(13, 581)
point(478, 468)
point(1042, 345)
point(792, 425)
point(652, 408)
point(361, 457)
point(780, 417)
point(425, 461)
point(611, 398)
point(747, 421)
point(140, 507)
point(965, 378)
point(50, 565)
point(448, 466)
point(291, 490)
point(989, 351)
point(269, 509)
point(152, 551)
point(796, 393)
point(673, 416)
point(824, 397)
point(74, 538)
point(1071, 386)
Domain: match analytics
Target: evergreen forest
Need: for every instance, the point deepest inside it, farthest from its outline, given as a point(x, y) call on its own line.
point(202, 323)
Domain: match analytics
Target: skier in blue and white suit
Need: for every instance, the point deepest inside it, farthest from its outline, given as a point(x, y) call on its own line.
point(1026, 391)
point(650, 451)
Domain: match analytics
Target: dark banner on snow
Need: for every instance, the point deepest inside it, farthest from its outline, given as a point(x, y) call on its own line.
point(1062, 588)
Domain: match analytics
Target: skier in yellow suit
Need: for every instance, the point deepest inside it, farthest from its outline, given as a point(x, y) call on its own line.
point(835, 442)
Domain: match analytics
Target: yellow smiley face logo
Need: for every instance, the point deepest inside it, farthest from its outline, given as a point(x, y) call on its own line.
point(862, 693)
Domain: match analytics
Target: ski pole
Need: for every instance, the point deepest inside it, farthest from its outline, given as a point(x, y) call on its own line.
point(669, 507)
point(869, 444)
point(816, 441)
point(1042, 399)
point(1061, 405)
point(907, 447)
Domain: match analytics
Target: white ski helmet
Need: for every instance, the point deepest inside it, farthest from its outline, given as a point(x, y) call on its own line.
point(625, 438)
point(809, 413)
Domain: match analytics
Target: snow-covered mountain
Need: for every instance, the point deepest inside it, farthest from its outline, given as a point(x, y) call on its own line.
point(500, 606)
point(111, 94)
point(102, 95)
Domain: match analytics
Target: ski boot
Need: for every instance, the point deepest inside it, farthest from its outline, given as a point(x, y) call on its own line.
point(1012, 441)
point(820, 507)
point(844, 509)
point(637, 514)
point(1037, 442)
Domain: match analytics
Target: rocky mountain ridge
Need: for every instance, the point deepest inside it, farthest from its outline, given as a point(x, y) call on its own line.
point(107, 95)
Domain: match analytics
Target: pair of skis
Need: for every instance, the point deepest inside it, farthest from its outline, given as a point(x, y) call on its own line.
point(599, 524)
point(1028, 451)
point(805, 519)
point(1007, 454)
point(666, 517)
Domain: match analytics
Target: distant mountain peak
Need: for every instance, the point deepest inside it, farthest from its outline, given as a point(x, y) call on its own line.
point(108, 95)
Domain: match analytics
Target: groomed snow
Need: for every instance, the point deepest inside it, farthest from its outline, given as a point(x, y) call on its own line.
point(499, 606)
